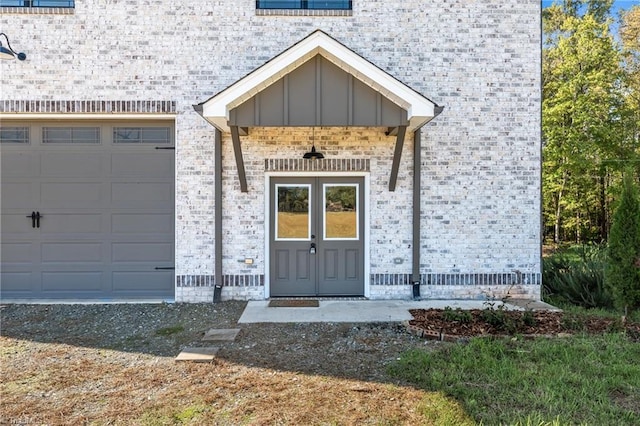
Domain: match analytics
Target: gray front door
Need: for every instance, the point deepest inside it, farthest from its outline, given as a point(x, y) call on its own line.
point(316, 236)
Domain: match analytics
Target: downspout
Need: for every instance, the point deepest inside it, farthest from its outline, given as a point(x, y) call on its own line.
point(415, 273)
point(417, 202)
point(217, 164)
point(217, 210)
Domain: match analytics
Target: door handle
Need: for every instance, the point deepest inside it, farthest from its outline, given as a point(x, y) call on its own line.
point(33, 219)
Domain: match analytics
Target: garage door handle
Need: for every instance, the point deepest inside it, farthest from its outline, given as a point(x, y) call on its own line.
point(165, 268)
point(33, 219)
point(166, 147)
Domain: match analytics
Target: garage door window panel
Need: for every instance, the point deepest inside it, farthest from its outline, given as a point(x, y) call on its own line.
point(14, 135)
point(71, 135)
point(142, 135)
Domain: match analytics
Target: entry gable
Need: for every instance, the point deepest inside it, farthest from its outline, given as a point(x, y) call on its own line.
point(410, 108)
point(318, 93)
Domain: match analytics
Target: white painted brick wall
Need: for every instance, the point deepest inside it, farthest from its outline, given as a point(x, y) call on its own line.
point(480, 158)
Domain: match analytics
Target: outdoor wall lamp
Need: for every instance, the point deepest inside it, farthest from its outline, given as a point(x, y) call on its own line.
point(8, 52)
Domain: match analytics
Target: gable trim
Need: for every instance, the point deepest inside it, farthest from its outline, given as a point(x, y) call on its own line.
point(420, 109)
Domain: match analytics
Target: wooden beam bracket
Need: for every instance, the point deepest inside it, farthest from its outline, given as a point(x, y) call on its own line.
point(237, 152)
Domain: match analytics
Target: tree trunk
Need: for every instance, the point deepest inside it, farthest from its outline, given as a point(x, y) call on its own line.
point(558, 222)
point(604, 217)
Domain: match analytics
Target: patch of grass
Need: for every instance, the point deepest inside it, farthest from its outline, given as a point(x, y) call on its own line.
point(575, 318)
point(190, 413)
point(586, 380)
point(598, 312)
point(438, 409)
point(161, 416)
point(168, 331)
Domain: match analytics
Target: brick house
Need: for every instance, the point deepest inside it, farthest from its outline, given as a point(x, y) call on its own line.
point(195, 150)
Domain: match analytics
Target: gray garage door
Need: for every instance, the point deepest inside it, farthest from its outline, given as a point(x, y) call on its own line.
point(87, 211)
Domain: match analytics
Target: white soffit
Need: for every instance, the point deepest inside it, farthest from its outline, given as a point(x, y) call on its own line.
point(419, 109)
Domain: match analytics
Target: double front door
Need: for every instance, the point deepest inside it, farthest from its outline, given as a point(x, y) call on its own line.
point(316, 236)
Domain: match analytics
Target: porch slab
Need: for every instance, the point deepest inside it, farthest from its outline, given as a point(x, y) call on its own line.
point(221, 335)
point(200, 354)
point(358, 310)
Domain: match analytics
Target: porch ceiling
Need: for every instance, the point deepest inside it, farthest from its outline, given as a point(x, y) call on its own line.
point(221, 109)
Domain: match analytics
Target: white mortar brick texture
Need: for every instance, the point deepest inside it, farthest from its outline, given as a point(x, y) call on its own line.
point(480, 157)
point(243, 213)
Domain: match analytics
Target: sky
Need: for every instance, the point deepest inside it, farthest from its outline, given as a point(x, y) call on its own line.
point(617, 4)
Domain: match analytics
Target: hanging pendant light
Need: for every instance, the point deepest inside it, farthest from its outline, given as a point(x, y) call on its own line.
point(313, 154)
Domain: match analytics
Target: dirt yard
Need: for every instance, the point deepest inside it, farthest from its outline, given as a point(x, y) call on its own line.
point(114, 364)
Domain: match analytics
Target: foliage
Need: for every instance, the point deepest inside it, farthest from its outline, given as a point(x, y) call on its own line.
point(623, 267)
point(579, 380)
point(589, 118)
point(499, 318)
point(457, 315)
point(576, 277)
point(341, 198)
point(293, 199)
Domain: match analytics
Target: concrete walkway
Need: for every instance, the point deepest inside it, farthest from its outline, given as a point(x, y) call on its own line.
point(368, 310)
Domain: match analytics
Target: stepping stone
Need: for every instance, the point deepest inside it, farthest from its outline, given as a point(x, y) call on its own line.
point(221, 334)
point(197, 354)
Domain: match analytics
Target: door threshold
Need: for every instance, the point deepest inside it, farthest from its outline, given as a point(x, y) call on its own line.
point(319, 298)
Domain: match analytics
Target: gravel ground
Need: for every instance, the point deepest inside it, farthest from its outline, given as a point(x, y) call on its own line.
point(359, 351)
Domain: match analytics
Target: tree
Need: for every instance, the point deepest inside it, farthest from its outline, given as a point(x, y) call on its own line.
point(581, 118)
point(622, 273)
point(630, 37)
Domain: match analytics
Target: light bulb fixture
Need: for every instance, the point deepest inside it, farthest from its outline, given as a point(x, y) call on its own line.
point(8, 52)
point(313, 154)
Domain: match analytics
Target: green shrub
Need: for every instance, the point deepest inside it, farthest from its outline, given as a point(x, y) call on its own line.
point(623, 267)
point(576, 277)
point(457, 315)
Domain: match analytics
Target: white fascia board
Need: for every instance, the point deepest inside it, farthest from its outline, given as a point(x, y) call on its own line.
point(219, 122)
point(419, 109)
point(84, 116)
point(258, 80)
point(376, 78)
point(418, 121)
